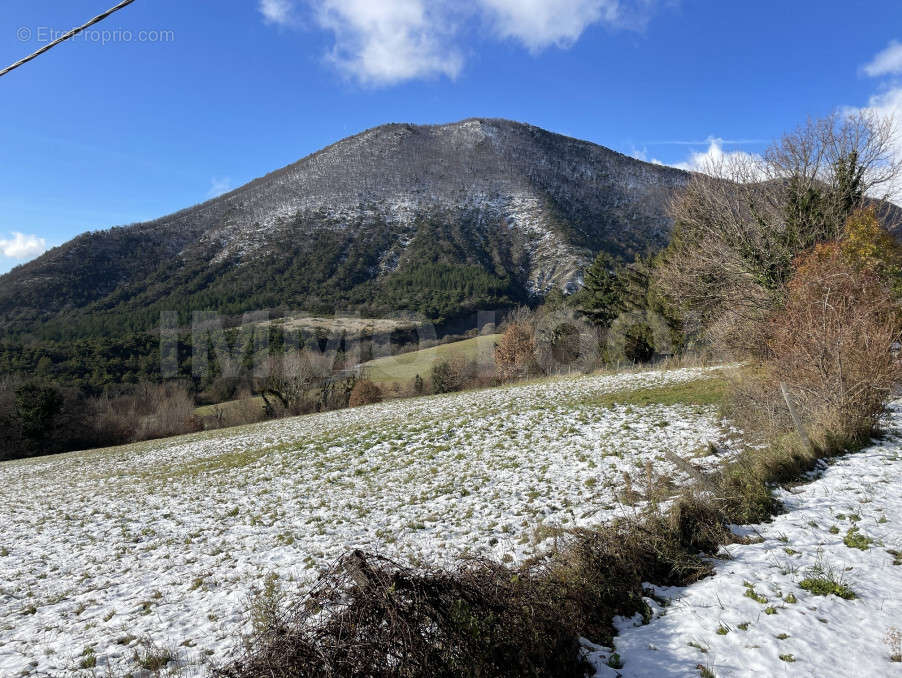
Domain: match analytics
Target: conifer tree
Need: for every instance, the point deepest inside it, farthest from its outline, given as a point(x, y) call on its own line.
point(604, 289)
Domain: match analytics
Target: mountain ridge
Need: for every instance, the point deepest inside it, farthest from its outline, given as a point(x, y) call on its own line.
point(515, 207)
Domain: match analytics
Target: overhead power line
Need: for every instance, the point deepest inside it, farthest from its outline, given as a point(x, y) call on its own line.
point(75, 31)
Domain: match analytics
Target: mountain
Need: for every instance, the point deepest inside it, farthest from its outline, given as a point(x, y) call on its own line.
point(438, 220)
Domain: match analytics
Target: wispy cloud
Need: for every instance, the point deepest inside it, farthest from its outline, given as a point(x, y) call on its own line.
point(705, 142)
point(888, 105)
point(539, 24)
point(218, 186)
point(279, 12)
point(642, 154)
point(385, 42)
point(21, 246)
point(885, 62)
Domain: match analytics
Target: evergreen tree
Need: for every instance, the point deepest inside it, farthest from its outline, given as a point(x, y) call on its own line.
point(37, 407)
point(604, 290)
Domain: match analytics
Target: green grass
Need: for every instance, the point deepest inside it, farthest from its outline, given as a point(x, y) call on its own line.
point(89, 660)
point(402, 369)
point(751, 593)
point(825, 586)
point(856, 540)
point(615, 662)
point(153, 659)
point(709, 391)
point(210, 410)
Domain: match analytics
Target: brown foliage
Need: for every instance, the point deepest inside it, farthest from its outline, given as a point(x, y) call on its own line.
point(515, 352)
point(831, 343)
point(151, 411)
point(365, 392)
point(458, 374)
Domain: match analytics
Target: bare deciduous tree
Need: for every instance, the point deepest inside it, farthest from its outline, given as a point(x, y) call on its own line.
point(291, 377)
point(740, 223)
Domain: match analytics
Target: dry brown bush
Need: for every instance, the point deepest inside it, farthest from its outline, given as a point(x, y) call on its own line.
point(369, 616)
point(831, 344)
point(169, 411)
point(515, 353)
point(150, 411)
point(459, 374)
point(245, 409)
point(756, 405)
point(291, 380)
point(364, 392)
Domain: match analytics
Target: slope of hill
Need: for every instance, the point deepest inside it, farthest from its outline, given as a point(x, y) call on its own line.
point(437, 220)
point(404, 367)
point(166, 556)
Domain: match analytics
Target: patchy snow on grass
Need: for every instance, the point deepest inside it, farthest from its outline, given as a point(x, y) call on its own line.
point(165, 542)
point(785, 606)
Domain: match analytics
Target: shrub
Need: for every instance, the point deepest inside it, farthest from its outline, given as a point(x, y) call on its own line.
point(163, 410)
point(631, 339)
point(38, 406)
point(856, 540)
point(365, 392)
point(698, 524)
point(515, 353)
point(443, 378)
point(831, 344)
point(458, 374)
point(368, 616)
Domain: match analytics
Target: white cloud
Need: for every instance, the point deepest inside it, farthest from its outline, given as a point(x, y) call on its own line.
point(280, 12)
point(218, 186)
point(22, 246)
point(888, 104)
point(714, 160)
point(887, 62)
point(642, 154)
point(390, 41)
point(384, 42)
point(542, 23)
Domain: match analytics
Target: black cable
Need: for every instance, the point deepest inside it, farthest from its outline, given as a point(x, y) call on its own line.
point(70, 34)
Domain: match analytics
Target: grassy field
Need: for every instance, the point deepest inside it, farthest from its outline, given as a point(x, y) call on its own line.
point(402, 369)
point(338, 325)
point(159, 545)
point(210, 410)
point(712, 391)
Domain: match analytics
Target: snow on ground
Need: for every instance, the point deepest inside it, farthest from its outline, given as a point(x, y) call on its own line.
point(845, 526)
point(168, 540)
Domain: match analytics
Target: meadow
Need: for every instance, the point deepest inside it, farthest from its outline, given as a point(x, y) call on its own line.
point(113, 560)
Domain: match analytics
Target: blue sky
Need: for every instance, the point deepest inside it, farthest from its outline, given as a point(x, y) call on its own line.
point(123, 127)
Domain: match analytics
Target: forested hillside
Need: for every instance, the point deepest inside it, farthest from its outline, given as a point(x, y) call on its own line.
point(435, 220)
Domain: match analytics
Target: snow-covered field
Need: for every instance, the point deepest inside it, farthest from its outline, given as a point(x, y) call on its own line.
point(754, 619)
point(166, 541)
